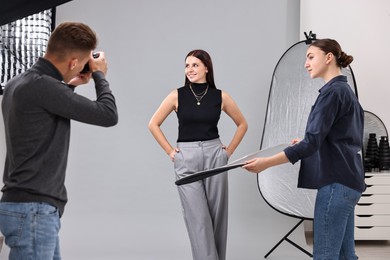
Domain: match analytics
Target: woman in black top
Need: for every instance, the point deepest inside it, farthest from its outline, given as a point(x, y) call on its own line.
point(198, 106)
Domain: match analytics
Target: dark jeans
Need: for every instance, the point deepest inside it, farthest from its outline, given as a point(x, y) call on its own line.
point(334, 223)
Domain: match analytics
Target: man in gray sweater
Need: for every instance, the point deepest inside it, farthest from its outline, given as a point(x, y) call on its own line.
point(37, 107)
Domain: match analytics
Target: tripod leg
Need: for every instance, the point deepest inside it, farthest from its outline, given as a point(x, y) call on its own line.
point(288, 240)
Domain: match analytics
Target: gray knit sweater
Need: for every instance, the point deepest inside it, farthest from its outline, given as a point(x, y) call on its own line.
point(37, 107)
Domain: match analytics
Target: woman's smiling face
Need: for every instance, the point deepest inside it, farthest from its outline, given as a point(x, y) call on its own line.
point(195, 70)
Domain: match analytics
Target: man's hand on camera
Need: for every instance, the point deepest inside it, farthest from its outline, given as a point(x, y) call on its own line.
point(99, 63)
point(82, 78)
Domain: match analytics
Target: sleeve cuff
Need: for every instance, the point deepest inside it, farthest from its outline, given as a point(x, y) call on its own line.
point(291, 155)
point(97, 75)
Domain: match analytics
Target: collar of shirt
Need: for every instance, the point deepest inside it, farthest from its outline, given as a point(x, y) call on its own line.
point(327, 87)
point(43, 66)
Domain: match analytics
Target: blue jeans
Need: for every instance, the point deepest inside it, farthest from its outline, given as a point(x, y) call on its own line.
point(334, 223)
point(30, 230)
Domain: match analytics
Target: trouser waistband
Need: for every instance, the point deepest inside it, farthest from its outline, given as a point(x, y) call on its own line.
point(212, 142)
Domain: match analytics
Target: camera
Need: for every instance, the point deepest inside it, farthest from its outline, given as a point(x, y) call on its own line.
point(86, 67)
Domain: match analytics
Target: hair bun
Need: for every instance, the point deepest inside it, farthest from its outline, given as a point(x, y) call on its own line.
point(344, 60)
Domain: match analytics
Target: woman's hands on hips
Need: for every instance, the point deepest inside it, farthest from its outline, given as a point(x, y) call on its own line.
point(173, 153)
point(228, 151)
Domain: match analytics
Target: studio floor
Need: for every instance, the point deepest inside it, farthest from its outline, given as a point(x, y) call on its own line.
point(373, 250)
point(366, 250)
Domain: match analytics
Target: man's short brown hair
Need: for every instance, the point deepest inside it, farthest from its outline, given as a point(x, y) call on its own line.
point(71, 37)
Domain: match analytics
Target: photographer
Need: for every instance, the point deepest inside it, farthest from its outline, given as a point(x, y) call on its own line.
point(37, 108)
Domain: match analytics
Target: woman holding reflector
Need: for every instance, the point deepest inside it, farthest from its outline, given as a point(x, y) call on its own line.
point(329, 153)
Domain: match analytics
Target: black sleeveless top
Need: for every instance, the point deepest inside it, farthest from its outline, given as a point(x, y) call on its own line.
point(198, 122)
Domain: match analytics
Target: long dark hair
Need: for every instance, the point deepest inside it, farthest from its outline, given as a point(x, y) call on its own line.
point(206, 60)
point(330, 45)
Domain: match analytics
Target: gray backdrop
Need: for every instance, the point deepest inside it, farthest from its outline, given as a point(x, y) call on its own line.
point(123, 203)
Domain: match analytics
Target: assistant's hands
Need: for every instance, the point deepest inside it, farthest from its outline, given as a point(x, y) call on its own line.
point(259, 164)
point(256, 165)
point(295, 141)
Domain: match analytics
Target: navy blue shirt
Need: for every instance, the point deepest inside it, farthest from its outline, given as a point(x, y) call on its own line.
point(330, 150)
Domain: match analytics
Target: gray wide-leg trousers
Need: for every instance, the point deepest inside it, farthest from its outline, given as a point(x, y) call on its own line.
point(205, 202)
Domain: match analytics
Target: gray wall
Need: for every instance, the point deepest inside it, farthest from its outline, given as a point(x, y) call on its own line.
point(123, 203)
point(361, 28)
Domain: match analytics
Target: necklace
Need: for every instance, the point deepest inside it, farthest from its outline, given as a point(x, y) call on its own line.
point(199, 96)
